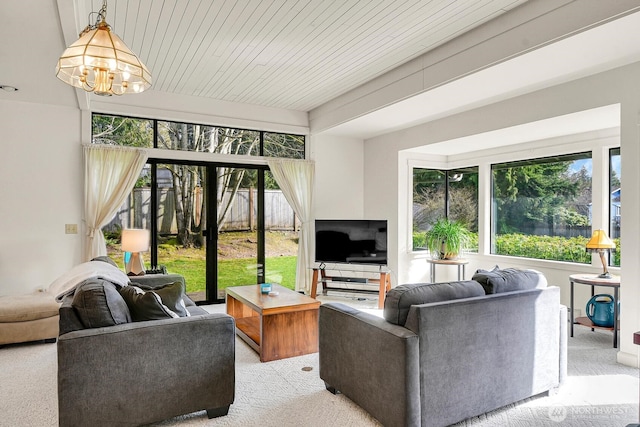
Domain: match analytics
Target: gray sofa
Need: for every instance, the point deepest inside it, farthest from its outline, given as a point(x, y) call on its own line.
point(116, 371)
point(449, 351)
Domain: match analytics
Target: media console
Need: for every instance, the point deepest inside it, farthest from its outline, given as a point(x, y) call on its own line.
point(379, 275)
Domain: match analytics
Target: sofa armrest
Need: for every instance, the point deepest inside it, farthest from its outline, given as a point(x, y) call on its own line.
point(371, 361)
point(147, 371)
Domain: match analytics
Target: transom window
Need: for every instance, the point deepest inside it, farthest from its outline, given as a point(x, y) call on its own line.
point(136, 132)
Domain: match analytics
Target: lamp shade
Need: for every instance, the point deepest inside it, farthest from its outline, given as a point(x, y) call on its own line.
point(100, 62)
point(135, 240)
point(599, 241)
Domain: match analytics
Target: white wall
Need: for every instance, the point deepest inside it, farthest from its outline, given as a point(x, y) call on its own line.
point(41, 191)
point(619, 86)
point(43, 177)
point(339, 180)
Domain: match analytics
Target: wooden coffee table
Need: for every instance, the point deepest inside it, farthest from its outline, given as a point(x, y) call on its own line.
point(276, 327)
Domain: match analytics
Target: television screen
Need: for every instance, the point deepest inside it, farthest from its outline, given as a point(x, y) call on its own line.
point(351, 241)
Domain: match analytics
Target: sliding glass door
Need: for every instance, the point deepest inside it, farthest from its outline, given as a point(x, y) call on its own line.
point(210, 226)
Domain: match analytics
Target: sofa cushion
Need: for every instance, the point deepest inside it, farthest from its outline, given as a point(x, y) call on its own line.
point(188, 302)
point(509, 279)
point(28, 307)
point(165, 302)
point(98, 303)
point(400, 299)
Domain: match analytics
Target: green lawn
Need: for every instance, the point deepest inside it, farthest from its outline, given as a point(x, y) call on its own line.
point(232, 272)
point(235, 267)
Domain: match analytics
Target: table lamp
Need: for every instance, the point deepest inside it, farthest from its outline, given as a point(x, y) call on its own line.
point(600, 243)
point(135, 241)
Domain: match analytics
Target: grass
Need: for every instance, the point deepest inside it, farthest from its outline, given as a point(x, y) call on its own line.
point(233, 269)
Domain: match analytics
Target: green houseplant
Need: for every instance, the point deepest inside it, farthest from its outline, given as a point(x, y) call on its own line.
point(446, 239)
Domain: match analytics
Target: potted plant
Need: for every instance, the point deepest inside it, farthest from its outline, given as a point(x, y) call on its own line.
point(446, 239)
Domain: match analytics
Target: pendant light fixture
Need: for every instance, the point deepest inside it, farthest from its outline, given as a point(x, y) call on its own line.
point(101, 63)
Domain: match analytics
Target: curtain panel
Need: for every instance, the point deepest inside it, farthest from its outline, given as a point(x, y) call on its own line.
point(110, 173)
point(296, 180)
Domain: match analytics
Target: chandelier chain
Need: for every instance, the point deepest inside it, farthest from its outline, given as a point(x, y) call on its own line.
point(101, 16)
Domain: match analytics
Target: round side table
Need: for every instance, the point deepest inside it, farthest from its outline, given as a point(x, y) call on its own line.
point(593, 280)
point(460, 262)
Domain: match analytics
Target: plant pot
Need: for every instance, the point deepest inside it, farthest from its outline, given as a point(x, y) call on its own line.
point(448, 255)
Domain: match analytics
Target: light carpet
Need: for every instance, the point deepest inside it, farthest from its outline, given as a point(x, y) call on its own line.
point(598, 392)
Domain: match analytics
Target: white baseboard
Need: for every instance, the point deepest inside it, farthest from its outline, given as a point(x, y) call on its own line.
point(628, 359)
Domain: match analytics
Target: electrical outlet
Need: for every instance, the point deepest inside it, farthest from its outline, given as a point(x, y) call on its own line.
point(71, 229)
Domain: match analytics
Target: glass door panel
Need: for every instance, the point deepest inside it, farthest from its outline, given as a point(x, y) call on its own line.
point(281, 236)
point(181, 219)
point(238, 228)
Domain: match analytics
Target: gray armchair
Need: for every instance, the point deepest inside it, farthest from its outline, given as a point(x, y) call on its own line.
point(136, 373)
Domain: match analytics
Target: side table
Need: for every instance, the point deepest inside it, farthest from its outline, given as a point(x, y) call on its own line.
point(460, 262)
point(593, 280)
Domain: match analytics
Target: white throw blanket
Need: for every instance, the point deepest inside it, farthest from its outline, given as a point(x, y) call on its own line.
point(66, 284)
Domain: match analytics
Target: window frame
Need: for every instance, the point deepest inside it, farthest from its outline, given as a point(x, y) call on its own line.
point(154, 123)
point(446, 200)
point(615, 151)
point(597, 142)
point(532, 161)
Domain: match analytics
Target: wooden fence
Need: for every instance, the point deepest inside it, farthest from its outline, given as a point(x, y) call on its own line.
point(135, 212)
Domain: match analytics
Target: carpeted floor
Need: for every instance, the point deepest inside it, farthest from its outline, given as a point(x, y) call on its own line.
point(599, 392)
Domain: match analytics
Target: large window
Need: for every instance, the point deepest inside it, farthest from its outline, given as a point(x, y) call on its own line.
point(444, 193)
point(217, 224)
point(542, 208)
point(615, 204)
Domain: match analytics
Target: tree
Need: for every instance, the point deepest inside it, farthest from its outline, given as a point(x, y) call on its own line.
point(429, 197)
point(127, 131)
point(188, 181)
point(529, 197)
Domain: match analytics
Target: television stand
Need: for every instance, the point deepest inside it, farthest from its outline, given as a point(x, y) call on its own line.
point(383, 279)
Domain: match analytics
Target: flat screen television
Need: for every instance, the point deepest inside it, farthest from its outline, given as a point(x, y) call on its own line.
point(352, 241)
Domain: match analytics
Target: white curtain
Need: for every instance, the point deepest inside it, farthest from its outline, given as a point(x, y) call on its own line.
point(110, 172)
point(295, 178)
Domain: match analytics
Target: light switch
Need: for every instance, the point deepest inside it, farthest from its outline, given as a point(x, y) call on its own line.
point(71, 229)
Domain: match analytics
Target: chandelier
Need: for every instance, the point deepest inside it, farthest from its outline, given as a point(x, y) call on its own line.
point(101, 63)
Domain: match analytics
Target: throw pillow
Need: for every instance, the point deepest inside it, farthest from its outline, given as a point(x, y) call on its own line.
point(160, 303)
point(509, 279)
point(98, 304)
point(400, 299)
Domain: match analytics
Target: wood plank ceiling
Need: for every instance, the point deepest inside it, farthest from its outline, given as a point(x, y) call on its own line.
point(292, 54)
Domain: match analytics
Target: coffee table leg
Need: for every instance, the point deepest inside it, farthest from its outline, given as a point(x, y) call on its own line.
point(314, 283)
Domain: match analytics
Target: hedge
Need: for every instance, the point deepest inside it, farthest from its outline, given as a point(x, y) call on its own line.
point(570, 249)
